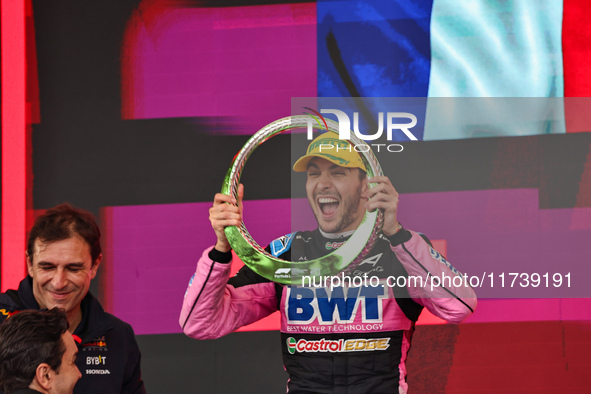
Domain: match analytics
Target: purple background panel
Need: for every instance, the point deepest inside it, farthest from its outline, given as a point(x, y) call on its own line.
point(152, 250)
point(496, 232)
point(244, 63)
point(504, 231)
point(537, 309)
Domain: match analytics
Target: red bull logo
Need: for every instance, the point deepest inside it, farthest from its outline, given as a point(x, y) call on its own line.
point(96, 343)
point(6, 313)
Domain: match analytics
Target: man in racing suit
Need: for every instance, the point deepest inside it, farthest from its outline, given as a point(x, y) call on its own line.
point(350, 336)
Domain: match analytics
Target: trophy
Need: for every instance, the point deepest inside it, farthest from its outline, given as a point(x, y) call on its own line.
point(344, 259)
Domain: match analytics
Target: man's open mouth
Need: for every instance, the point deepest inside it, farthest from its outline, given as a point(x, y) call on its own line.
point(328, 205)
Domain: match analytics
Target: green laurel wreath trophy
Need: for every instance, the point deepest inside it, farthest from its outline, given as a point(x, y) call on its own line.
point(343, 259)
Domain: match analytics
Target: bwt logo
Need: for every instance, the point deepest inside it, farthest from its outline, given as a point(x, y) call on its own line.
point(345, 124)
point(305, 305)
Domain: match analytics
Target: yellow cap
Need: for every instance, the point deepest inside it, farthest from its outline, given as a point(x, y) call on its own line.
point(328, 146)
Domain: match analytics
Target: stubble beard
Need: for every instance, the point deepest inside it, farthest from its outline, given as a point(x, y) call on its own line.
point(350, 206)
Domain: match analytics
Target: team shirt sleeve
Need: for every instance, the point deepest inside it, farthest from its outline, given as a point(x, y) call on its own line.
point(432, 281)
point(213, 308)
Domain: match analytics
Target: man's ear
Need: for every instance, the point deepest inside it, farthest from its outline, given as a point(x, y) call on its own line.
point(29, 263)
point(44, 376)
point(95, 265)
point(365, 188)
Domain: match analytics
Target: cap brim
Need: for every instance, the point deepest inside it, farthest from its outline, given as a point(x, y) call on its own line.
point(301, 165)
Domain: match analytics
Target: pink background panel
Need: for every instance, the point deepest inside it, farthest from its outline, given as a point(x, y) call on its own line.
point(240, 63)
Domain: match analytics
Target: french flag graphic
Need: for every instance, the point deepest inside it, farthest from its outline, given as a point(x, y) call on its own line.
point(462, 49)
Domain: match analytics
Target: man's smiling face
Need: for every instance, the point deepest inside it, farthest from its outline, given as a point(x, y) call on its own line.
point(61, 273)
point(336, 195)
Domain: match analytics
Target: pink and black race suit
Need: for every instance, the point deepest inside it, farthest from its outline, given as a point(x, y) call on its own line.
point(350, 337)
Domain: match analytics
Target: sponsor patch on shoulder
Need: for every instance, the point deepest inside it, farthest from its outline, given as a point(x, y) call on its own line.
point(281, 245)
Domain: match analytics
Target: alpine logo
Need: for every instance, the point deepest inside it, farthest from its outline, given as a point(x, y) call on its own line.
point(373, 260)
point(336, 346)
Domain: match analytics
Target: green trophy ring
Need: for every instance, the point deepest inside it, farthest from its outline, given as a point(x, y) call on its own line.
point(343, 259)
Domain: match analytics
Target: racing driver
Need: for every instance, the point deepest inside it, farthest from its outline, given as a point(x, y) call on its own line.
point(335, 339)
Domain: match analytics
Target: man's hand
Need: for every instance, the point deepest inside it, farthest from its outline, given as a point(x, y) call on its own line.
point(225, 212)
point(385, 197)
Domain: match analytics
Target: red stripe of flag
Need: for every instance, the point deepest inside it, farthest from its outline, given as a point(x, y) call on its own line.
point(576, 36)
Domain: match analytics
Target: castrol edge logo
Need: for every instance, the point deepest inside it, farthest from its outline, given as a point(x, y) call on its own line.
point(336, 346)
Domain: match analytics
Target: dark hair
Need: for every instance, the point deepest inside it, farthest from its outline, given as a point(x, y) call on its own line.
point(63, 222)
point(28, 339)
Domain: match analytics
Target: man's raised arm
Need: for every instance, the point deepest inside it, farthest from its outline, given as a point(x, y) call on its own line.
point(212, 308)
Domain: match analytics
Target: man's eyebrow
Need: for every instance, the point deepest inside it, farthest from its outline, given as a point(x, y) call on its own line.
point(312, 165)
point(45, 263)
point(50, 264)
point(75, 265)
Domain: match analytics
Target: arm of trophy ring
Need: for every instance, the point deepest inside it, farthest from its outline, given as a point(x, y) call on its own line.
point(431, 278)
point(213, 308)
